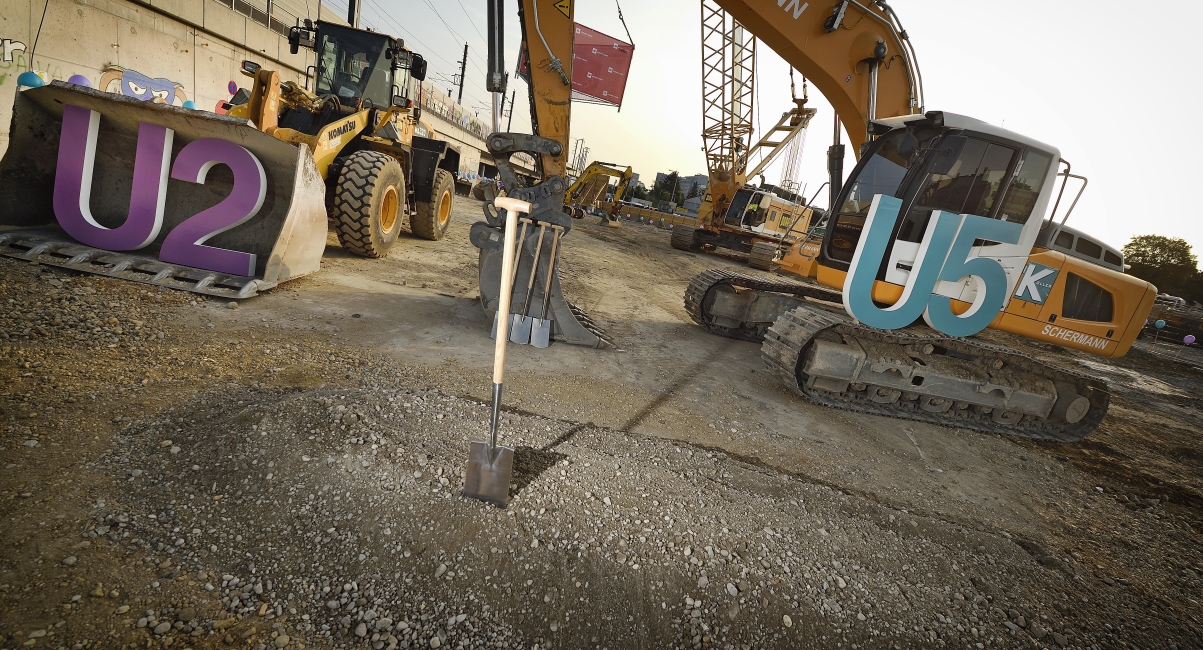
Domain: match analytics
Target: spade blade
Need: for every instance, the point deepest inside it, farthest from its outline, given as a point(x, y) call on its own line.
point(489, 471)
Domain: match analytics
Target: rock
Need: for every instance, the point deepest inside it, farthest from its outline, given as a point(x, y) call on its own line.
point(435, 641)
point(1060, 639)
point(186, 614)
point(605, 500)
point(332, 604)
point(162, 628)
point(1037, 631)
point(732, 590)
point(361, 630)
point(70, 560)
point(787, 621)
point(121, 610)
point(703, 582)
point(37, 634)
point(281, 641)
point(443, 567)
point(31, 443)
point(231, 305)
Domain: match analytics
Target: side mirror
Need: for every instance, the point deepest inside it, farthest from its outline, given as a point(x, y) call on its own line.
point(249, 68)
point(294, 40)
point(417, 67)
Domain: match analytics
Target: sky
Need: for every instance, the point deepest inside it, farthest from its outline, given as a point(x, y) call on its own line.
point(1108, 84)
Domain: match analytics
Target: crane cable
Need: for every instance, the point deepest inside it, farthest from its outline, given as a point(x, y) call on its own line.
point(624, 24)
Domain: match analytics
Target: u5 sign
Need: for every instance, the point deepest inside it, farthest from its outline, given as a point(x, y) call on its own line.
point(943, 256)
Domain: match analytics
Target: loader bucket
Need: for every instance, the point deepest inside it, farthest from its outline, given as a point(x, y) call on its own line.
point(569, 323)
point(175, 197)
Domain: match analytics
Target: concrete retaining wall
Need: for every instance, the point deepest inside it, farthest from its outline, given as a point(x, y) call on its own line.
point(179, 50)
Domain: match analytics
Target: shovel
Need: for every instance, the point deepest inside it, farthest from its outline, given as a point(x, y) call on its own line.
point(540, 336)
point(490, 466)
point(520, 327)
point(513, 277)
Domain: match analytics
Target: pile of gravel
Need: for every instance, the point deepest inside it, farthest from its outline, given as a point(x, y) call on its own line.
point(336, 516)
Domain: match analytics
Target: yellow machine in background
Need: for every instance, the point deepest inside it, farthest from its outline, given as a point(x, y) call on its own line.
point(590, 188)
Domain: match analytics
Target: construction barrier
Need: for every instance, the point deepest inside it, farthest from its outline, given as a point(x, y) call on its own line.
point(650, 216)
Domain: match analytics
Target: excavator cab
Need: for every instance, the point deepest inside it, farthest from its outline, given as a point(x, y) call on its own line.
point(932, 166)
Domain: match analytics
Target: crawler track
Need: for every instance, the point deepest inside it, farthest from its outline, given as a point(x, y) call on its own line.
point(706, 282)
point(788, 336)
point(787, 340)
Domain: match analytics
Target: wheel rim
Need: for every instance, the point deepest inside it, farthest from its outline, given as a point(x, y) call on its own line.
point(388, 209)
point(444, 208)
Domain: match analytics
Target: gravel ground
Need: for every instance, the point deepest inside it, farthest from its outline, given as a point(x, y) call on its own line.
point(173, 481)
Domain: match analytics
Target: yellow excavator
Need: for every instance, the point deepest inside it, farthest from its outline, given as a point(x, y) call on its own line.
point(590, 187)
point(229, 205)
point(942, 229)
point(938, 233)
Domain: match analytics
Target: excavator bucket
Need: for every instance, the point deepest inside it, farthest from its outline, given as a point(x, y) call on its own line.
point(169, 196)
point(569, 323)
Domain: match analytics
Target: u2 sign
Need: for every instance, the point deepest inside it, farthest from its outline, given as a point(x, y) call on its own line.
point(943, 256)
point(184, 244)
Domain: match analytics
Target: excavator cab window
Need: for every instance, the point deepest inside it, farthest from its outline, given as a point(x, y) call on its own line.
point(882, 171)
point(1020, 197)
point(354, 66)
point(739, 205)
point(967, 183)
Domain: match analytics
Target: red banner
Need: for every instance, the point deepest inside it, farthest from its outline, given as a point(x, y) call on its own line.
point(600, 65)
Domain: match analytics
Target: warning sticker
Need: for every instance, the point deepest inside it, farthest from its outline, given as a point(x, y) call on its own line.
point(565, 7)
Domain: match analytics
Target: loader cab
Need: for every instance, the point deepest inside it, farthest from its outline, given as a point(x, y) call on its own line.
point(354, 65)
point(364, 68)
point(939, 162)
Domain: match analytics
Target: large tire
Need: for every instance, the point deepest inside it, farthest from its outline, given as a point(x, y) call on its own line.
point(682, 239)
point(433, 218)
point(762, 256)
point(368, 203)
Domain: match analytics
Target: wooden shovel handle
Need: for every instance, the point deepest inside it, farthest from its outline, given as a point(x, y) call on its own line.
point(513, 208)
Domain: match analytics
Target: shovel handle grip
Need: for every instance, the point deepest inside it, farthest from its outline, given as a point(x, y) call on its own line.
point(513, 207)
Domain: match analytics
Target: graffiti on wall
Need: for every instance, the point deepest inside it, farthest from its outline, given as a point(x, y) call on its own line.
point(132, 83)
point(9, 48)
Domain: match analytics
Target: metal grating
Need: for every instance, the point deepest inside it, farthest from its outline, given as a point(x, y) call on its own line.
point(54, 249)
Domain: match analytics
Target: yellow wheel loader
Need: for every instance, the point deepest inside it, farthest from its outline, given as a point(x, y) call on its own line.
point(229, 205)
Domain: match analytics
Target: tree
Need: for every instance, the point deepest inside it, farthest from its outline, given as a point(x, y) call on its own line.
point(639, 191)
point(693, 190)
point(1157, 251)
point(1168, 263)
point(666, 188)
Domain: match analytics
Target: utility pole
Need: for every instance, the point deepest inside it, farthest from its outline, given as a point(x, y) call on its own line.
point(463, 65)
point(510, 122)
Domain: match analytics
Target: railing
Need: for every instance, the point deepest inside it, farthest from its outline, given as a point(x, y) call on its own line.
point(269, 16)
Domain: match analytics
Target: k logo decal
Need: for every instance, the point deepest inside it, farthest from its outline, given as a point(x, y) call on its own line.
point(1036, 283)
